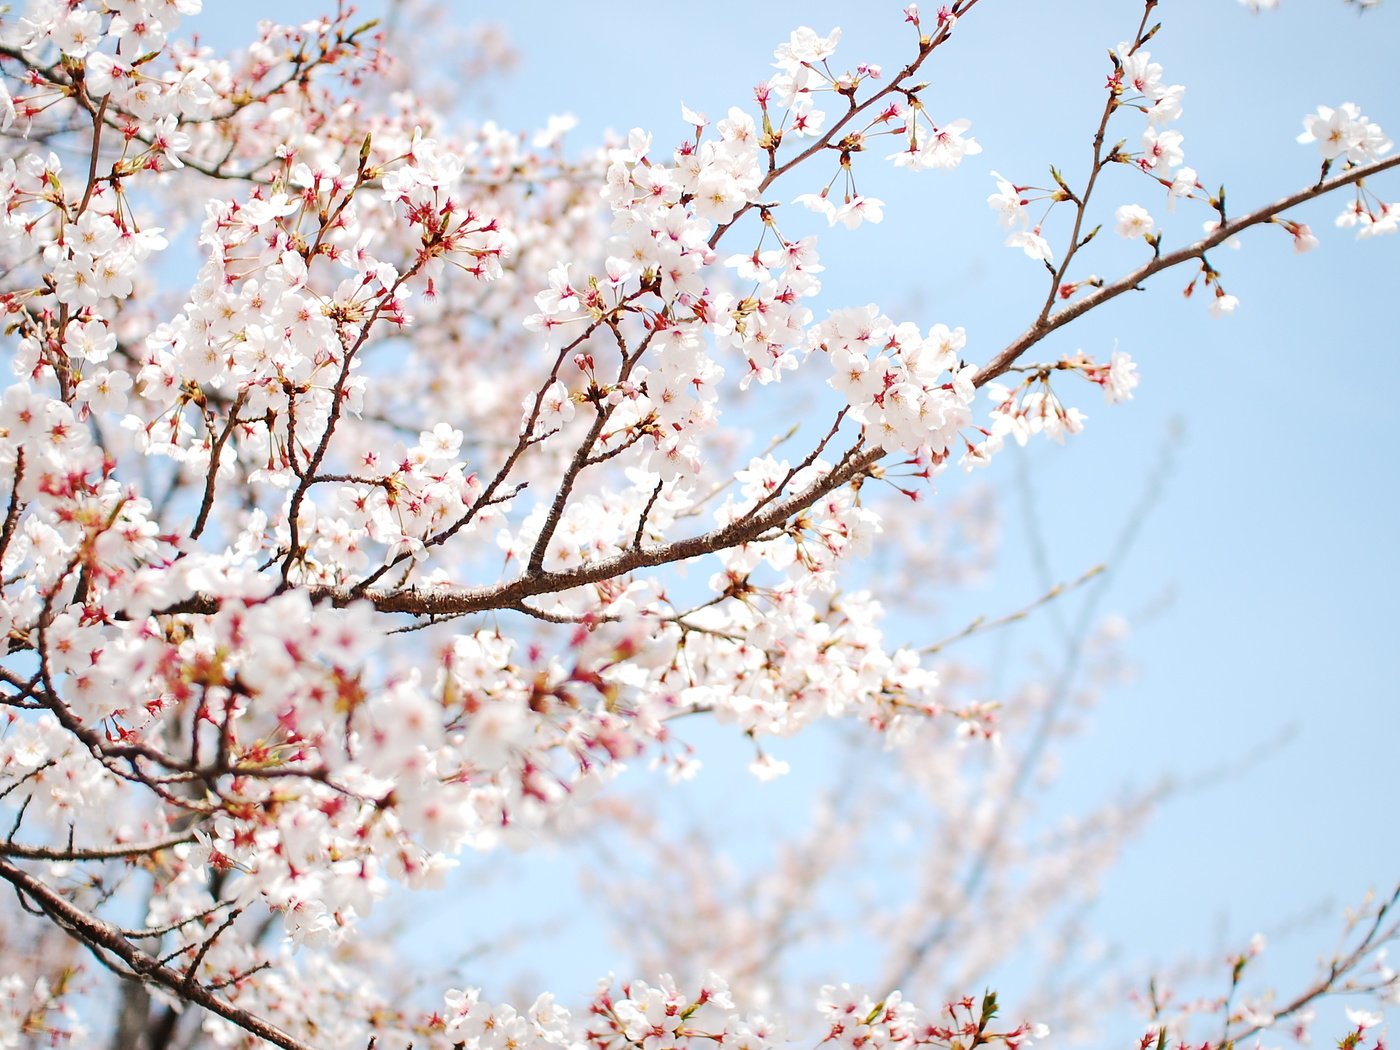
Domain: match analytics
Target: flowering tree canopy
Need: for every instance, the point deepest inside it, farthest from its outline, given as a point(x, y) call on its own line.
point(373, 493)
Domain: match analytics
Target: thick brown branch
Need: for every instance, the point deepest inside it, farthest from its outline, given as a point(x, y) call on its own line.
point(102, 937)
point(119, 852)
point(456, 602)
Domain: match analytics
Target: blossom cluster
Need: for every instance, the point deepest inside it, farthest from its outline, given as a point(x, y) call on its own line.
point(353, 551)
point(910, 390)
point(1345, 134)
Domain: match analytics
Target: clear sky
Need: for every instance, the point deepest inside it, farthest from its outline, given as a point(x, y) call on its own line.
point(1270, 559)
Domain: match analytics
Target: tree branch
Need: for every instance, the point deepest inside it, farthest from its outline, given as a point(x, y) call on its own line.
point(101, 936)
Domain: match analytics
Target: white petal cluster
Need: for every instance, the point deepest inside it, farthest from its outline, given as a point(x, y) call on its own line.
point(1344, 132)
point(911, 390)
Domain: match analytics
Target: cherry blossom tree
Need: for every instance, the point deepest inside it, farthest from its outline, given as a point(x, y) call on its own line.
point(374, 497)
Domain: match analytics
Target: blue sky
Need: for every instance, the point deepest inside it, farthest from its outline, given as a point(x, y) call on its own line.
point(1270, 556)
